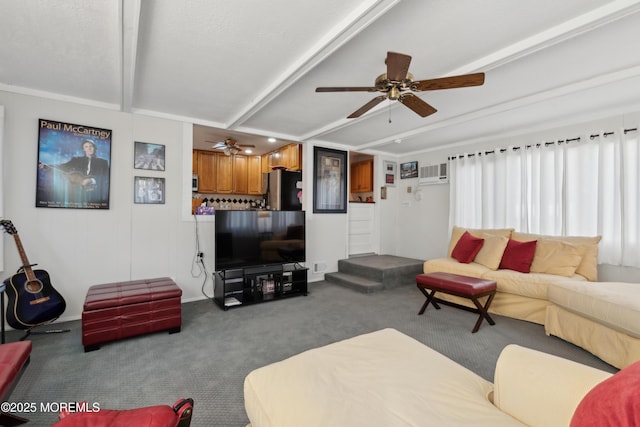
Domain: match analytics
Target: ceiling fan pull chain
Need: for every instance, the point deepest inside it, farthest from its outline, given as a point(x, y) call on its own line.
point(389, 108)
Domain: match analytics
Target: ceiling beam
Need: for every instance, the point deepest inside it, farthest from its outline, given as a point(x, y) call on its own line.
point(129, 30)
point(573, 27)
point(351, 25)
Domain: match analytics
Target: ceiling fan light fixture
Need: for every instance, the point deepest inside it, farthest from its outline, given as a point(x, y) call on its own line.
point(394, 93)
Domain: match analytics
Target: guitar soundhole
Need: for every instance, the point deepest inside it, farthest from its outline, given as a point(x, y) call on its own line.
point(34, 286)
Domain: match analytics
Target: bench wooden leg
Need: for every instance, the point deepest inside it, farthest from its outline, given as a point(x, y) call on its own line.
point(430, 299)
point(482, 311)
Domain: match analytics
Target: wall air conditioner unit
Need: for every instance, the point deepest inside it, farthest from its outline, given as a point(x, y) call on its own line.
point(433, 174)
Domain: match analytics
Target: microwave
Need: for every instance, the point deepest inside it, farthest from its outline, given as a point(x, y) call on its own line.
point(194, 182)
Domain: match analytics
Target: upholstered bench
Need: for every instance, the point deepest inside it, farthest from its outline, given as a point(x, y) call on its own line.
point(14, 357)
point(471, 288)
point(119, 310)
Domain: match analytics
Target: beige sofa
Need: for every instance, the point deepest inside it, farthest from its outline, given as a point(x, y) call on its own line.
point(388, 379)
point(561, 292)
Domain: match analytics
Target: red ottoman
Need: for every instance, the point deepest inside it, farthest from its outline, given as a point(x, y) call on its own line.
point(14, 357)
point(151, 416)
point(119, 310)
point(461, 286)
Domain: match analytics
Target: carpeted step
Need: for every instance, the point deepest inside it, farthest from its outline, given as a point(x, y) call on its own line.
point(391, 271)
point(350, 281)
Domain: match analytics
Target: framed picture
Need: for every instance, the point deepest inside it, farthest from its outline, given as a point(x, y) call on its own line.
point(329, 180)
point(148, 156)
point(74, 164)
point(148, 190)
point(409, 170)
point(390, 173)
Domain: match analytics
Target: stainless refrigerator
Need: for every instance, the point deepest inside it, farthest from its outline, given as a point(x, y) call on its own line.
point(281, 189)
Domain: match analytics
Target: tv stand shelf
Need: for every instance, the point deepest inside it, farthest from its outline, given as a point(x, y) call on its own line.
point(251, 285)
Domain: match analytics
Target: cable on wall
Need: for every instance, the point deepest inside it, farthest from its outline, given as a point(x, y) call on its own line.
point(198, 268)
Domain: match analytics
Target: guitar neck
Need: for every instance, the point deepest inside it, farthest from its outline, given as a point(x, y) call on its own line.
point(26, 265)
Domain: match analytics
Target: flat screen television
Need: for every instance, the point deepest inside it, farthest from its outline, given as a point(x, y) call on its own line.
point(253, 238)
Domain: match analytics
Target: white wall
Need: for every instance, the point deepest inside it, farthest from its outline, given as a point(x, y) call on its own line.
point(326, 234)
point(81, 247)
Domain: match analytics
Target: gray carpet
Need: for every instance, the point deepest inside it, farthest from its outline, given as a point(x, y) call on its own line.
point(209, 359)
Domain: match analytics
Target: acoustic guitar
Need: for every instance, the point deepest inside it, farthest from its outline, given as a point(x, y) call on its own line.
point(32, 300)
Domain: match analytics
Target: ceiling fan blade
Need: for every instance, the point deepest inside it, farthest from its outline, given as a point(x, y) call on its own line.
point(452, 82)
point(397, 66)
point(246, 145)
point(346, 89)
point(366, 107)
point(417, 105)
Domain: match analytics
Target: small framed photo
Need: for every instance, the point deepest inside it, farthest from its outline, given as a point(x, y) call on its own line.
point(148, 190)
point(390, 173)
point(408, 170)
point(148, 156)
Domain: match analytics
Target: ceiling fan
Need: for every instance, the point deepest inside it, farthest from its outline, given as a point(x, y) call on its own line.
point(397, 84)
point(230, 146)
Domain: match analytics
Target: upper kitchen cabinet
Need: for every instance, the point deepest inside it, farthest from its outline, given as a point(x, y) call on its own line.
point(205, 164)
point(362, 176)
point(254, 175)
point(240, 175)
point(294, 157)
point(288, 157)
point(221, 174)
point(224, 174)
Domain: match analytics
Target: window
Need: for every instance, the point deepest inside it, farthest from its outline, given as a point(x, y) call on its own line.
point(586, 186)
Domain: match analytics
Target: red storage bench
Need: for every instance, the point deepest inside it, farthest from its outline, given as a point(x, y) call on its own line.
point(124, 309)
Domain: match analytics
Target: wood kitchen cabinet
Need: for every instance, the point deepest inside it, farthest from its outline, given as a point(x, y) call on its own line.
point(254, 175)
point(294, 157)
point(224, 174)
point(206, 166)
point(240, 182)
point(362, 176)
point(289, 157)
point(221, 174)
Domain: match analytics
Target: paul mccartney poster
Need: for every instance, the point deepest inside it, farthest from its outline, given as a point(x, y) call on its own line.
point(73, 166)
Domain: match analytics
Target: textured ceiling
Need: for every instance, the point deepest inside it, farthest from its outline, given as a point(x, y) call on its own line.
point(252, 66)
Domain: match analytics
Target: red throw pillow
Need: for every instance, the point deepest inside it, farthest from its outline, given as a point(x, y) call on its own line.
point(613, 402)
point(467, 248)
point(518, 256)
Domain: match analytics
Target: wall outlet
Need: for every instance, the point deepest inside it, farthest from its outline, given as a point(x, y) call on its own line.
point(319, 267)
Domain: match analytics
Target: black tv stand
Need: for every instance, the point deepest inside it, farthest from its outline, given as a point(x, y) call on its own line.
point(251, 285)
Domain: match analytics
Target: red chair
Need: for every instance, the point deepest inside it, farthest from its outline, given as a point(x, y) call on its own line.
point(178, 415)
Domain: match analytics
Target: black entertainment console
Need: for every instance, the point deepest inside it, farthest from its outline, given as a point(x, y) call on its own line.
point(255, 284)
